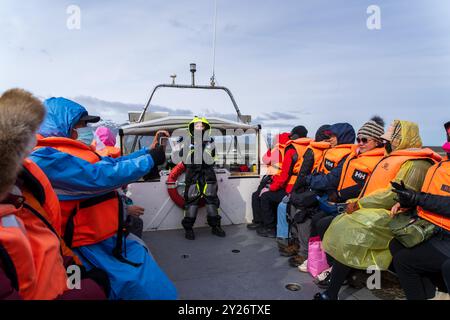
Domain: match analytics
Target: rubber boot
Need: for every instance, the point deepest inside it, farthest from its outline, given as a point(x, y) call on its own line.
point(218, 231)
point(189, 234)
point(188, 221)
point(214, 220)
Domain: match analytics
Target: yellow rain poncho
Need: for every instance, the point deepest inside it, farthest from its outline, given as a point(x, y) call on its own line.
point(361, 239)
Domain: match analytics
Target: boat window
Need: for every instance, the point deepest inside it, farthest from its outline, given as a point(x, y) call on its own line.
point(237, 153)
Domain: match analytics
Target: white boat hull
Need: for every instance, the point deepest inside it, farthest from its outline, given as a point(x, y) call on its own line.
point(161, 213)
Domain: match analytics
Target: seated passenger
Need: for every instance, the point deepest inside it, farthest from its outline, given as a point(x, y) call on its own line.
point(413, 265)
point(357, 169)
point(283, 182)
point(92, 211)
point(360, 237)
point(273, 159)
point(105, 143)
point(287, 231)
point(324, 179)
point(33, 257)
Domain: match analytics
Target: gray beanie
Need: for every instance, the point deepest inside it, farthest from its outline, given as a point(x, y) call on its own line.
point(374, 128)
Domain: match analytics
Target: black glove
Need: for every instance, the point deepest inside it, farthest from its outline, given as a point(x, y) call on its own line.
point(158, 154)
point(406, 197)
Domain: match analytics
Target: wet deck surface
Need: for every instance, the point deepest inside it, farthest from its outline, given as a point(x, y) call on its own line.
point(207, 268)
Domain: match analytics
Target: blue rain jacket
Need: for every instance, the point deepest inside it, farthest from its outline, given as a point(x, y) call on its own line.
point(74, 178)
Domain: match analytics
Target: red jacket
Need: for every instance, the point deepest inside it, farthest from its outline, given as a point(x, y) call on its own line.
point(280, 181)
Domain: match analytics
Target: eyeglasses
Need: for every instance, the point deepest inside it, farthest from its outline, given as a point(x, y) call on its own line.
point(363, 140)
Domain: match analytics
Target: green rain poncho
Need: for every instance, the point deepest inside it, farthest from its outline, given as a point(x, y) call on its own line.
point(361, 239)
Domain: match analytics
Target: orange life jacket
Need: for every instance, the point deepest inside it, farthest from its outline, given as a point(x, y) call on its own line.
point(387, 169)
point(34, 251)
point(16, 253)
point(108, 151)
point(86, 222)
point(437, 182)
point(47, 252)
point(50, 202)
point(358, 167)
point(275, 163)
point(49, 206)
point(300, 145)
point(332, 156)
point(70, 146)
point(318, 148)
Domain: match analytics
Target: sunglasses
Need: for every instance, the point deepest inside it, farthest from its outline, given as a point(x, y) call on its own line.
point(363, 140)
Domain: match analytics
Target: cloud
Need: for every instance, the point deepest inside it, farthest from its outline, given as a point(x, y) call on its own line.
point(118, 111)
point(267, 117)
point(273, 55)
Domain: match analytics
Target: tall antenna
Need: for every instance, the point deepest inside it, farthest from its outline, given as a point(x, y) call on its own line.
point(213, 77)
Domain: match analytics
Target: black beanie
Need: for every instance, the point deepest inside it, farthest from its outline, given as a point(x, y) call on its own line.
point(320, 135)
point(299, 132)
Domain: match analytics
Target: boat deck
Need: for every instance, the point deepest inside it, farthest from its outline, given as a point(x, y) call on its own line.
point(207, 268)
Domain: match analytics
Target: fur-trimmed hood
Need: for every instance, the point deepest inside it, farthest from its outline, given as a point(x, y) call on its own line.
point(20, 117)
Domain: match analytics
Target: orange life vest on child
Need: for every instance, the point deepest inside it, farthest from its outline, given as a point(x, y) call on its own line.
point(437, 182)
point(300, 145)
point(387, 169)
point(108, 151)
point(85, 222)
point(332, 156)
point(358, 168)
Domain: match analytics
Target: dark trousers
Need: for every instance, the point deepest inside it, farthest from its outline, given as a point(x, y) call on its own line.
point(205, 187)
point(446, 274)
point(339, 274)
point(256, 201)
point(268, 201)
point(414, 266)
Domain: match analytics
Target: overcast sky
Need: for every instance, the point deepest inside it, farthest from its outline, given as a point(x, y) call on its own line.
point(287, 62)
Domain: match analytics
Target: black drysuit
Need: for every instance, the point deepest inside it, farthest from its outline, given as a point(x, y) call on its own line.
point(201, 181)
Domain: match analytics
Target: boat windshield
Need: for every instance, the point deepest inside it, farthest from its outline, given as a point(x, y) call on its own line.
point(236, 150)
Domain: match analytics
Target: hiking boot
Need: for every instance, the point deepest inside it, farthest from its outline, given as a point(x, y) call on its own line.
point(253, 226)
point(289, 251)
point(281, 242)
point(190, 235)
point(297, 260)
point(218, 231)
point(266, 232)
